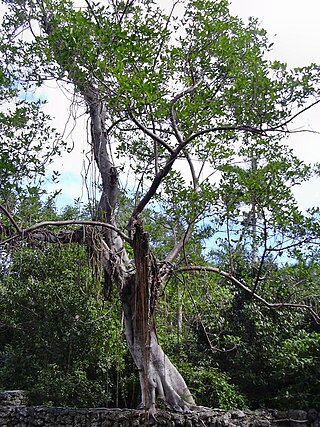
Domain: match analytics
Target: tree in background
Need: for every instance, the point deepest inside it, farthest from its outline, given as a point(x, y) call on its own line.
point(196, 113)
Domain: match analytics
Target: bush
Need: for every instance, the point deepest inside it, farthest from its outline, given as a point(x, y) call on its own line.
point(212, 387)
point(59, 339)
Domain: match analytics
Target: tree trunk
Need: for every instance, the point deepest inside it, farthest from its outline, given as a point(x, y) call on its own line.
point(139, 284)
point(139, 290)
point(158, 376)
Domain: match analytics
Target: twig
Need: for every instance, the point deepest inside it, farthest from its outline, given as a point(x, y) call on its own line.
point(93, 13)
point(295, 115)
point(163, 38)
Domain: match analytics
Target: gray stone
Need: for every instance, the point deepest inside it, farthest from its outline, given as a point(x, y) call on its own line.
point(297, 415)
point(13, 398)
point(237, 414)
point(261, 423)
point(312, 414)
point(28, 416)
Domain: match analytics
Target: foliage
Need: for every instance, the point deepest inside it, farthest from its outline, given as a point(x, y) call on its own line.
point(212, 387)
point(28, 142)
point(275, 345)
point(59, 339)
point(297, 364)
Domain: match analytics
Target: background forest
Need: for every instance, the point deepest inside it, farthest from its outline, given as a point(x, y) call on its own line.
point(199, 118)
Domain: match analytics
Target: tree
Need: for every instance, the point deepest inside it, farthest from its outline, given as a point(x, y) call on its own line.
point(161, 93)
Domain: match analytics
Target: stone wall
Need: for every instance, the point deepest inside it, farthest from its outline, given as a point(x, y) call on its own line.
point(15, 413)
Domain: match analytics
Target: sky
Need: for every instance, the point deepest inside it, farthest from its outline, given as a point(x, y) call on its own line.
point(293, 27)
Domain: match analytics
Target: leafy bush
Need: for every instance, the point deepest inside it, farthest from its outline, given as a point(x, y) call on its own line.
point(298, 366)
point(58, 339)
point(212, 387)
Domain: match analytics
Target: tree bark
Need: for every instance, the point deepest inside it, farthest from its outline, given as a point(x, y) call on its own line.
point(159, 379)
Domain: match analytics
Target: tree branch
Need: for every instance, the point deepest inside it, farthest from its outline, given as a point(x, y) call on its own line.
point(93, 13)
point(264, 254)
point(185, 239)
point(243, 128)
point(174, 154)
point(173, 116)
point(164, 30)
point(148, 132)
point(12, 220)
point(279, 248)
point(192, 171)
point(179, 246)
point(247, 290)
point(25, 231)
point(295, 116)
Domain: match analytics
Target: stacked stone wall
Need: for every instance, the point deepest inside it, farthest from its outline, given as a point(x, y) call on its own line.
point(14, 412)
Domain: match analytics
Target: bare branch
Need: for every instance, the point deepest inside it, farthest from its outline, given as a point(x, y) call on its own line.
point(179, 246)
point(247, 290)
point(128, 4)
point(174, 155)
point(264, 254)
point(164, 30)
point(28, 230)
point(254, 130)
point(279, 248)
point(93, 13)
point(185, 239)
point(243, 128)
point(192, 171)
point(295, 116)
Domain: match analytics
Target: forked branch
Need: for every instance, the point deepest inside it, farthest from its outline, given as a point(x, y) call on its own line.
point(148, 132)
point(172, 158)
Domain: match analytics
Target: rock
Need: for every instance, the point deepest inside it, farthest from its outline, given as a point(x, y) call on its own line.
point(298, 415)
point(238, 414)
point(14, 414)
point(13, 398)
point(261, 423)
point(312, 415)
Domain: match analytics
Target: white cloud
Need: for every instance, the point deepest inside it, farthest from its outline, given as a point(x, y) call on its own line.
point(292, 25)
